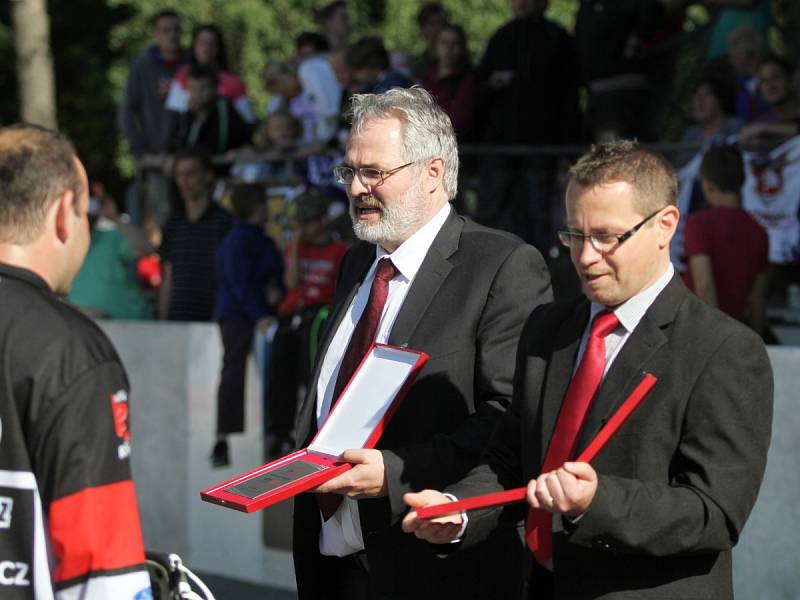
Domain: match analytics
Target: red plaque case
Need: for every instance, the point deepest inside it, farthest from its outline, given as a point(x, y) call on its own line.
point(357, 420)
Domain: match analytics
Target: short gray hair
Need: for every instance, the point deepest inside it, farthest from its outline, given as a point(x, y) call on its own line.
point(427, 130)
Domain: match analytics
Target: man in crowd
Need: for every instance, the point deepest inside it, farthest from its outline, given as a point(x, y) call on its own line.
point(658, 511)
point(68, 513)
point(191, 237)
point(142, 113)
point(429, 279)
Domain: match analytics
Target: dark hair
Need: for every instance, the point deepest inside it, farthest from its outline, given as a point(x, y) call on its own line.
point(201, 156)
point(723, 89)
point(162, 14)
point(430, 10)
point(723, 166)
point(327, 11)
point(462, 38)
point(37, 166)
point(368, 52)
point(650, 175)
point(310, 38)
point(246, 198)
point(781, 63)
point(204, 72)
point(222, 55)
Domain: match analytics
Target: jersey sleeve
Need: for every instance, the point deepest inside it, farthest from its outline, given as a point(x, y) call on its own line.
point(82, 450)
point(694, 242)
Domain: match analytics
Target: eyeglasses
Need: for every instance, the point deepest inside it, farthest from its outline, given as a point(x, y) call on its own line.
point(602, 242)
point(368, 176)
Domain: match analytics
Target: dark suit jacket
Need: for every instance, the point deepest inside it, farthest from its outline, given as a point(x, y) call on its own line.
point(678, 480)
point(465, 309)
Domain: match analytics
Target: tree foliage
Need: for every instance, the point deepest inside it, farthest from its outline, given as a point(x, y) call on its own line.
point(95, 41)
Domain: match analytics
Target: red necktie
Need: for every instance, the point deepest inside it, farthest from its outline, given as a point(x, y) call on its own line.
point(582, 388)
point(360, 341)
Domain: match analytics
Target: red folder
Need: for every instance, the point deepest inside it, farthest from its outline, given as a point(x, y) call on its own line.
point(357, 420)
point(518, 494)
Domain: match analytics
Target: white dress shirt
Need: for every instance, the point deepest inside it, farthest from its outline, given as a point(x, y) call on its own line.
point(341, 534)
point(629, 314)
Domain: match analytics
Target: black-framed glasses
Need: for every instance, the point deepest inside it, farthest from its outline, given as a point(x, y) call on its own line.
point(602, 242)
point(366, 175)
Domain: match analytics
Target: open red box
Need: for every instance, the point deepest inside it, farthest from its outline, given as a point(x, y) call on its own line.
point(357, 420)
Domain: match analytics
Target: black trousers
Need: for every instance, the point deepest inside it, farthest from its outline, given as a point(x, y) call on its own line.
point(237, 340)
point(290, 368)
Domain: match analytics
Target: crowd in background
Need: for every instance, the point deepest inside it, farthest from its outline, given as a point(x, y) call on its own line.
point(216, 174)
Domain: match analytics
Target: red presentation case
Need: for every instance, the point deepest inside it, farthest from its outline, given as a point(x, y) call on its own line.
point(357, 420)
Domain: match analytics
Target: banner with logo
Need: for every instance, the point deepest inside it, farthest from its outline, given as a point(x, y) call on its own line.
point(771, 194)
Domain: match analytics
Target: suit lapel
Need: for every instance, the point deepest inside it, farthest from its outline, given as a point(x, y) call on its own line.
point(431, 275)
point(630, 365)
point(351, 279)
point(559, 374)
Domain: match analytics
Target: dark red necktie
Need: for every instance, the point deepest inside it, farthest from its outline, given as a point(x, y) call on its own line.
point(360, 341)
point(582, 388)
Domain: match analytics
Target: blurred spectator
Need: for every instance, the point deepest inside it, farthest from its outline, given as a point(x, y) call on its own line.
point(142, 116)
point(713, 108)
point(729, 15)
point(776, 87)
point(208, 48)
point(279, 136)
point(451, 80)
point(430, 19)
point(312, 261)
point(336, 23)
point(107, 286)
point(142, 113)
point(210, 124)
point(726, 249)
point(528, 94)
point(318, 81)
point(369, 66)
point(190, 238)
point(745, 52)
point(249, 271)
point(309, 44)
point(609, 36)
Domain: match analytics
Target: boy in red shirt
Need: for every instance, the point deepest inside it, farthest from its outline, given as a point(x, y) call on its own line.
point(311, 265)
point(726, 249)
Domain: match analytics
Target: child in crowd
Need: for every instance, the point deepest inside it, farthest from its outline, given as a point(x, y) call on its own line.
point(249, 277)
point(312, 261)
point(726, 249)
point(278, 136)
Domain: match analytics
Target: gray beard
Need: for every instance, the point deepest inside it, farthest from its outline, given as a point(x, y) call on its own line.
point(396, 224)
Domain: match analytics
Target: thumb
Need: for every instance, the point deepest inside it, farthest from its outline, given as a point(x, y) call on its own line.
point(580, 470)
point(355, 456)
point(417, 499)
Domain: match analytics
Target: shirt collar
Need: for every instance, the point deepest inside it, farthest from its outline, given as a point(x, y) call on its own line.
point(633, 310)
point(409, 255)
point(7, 270)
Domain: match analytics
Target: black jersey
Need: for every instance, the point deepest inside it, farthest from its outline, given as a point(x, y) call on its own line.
point(69, 521)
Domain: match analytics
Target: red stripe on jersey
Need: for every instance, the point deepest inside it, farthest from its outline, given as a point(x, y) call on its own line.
point(96, 529)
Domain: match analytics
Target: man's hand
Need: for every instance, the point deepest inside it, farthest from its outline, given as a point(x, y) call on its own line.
point(568, 490)
point(367, 479)
point(441, 530)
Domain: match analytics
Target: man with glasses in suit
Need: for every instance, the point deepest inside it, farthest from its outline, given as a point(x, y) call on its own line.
point(658, 511)
point(423, 277)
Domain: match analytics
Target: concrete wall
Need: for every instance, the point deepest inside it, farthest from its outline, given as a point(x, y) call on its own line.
point(174, 370)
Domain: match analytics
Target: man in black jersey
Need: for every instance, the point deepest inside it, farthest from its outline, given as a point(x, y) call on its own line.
point(69, 522)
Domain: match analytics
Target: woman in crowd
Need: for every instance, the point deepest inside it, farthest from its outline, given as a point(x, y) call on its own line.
point(208, 48)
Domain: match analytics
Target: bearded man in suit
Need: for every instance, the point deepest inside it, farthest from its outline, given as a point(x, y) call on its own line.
point(658, 511)
point(459, 292)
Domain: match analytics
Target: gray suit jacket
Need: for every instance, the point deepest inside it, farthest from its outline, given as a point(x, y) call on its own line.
point(678, 480)
point(465, 309)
